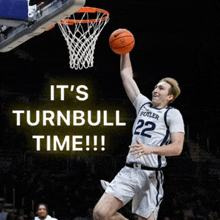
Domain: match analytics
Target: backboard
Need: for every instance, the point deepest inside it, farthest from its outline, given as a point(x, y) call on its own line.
point(19, 24)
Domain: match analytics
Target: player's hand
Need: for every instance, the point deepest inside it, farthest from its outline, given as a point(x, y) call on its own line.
point(139, 149)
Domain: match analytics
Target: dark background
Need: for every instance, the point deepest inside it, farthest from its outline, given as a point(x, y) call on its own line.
point(178, 39)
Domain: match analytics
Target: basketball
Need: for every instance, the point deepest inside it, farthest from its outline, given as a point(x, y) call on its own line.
point(121, 41)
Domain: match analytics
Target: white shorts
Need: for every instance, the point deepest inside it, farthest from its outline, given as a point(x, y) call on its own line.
point(143, 186)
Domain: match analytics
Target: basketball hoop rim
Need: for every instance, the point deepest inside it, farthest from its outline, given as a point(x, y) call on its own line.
point(86, 10)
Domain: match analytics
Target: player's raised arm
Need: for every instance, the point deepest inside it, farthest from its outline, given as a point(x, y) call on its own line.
point(130, 85)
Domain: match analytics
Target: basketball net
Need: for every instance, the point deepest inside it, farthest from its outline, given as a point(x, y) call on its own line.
point(81, 35)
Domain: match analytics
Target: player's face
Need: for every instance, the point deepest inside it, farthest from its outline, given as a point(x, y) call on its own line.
point(160, 95)
point(42, 212)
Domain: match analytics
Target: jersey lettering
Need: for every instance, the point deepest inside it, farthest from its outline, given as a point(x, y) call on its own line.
point(149, 114)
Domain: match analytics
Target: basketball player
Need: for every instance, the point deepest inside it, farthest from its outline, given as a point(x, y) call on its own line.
point(141, 179)
point(42, 212)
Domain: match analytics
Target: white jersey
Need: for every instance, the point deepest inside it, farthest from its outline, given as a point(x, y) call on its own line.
point(47, 218)
point(152, 127)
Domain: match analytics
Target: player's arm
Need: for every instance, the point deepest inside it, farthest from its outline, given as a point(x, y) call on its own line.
point(130, 85)
point(173, 149)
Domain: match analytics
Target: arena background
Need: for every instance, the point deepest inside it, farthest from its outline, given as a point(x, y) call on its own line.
point(178, 39)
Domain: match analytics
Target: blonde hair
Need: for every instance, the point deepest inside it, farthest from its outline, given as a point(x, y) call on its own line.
point(175, 89)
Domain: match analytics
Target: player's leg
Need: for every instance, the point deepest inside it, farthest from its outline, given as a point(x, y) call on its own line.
point(147, 200)
point(107, 207)
point(151, 217)
point(117, 194)
point(118, 216)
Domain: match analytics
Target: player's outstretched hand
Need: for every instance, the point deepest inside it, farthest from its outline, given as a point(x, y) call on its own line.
point(139, 149)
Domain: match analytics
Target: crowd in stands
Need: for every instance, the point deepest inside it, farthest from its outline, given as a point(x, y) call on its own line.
point(72, 195)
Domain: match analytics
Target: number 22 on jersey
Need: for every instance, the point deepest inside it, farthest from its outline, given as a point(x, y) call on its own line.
point(143, 128)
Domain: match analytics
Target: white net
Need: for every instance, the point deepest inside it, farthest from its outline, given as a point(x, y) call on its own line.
point(81, 40)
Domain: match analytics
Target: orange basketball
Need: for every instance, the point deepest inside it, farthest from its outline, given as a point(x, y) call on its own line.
point(121, 41)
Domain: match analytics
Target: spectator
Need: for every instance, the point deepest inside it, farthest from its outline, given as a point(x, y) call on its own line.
point(3, 215)
point(42, 212)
